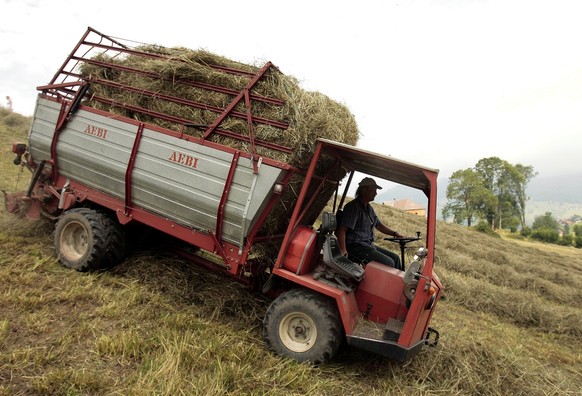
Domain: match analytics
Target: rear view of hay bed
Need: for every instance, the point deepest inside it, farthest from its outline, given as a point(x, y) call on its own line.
point(236, 163)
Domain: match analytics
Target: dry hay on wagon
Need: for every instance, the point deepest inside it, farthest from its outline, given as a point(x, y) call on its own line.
point(309, 115)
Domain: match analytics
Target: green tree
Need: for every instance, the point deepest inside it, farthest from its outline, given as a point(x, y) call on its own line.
point(566, 240)
point(546, 235)
point(507, 183)
point(519, 179)
point(547, 221)
point(467, 197)
point(494, 172)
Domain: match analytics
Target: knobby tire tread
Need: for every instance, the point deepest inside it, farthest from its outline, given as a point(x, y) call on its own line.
point(331, 334)
point(109, 243)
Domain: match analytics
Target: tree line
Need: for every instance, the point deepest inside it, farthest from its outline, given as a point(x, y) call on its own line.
point(546, 228)
point(493, 191)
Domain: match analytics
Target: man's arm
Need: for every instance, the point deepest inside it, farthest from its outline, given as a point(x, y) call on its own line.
point(386, 230)
point(341, 237)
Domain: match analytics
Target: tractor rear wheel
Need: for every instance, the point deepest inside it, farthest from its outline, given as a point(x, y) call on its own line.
point(304, 326)
point(87, 239)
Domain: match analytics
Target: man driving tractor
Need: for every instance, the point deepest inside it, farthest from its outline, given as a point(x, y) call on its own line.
point(356, 229)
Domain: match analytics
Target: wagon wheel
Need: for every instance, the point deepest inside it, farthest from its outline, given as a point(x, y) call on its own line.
point(87, 239)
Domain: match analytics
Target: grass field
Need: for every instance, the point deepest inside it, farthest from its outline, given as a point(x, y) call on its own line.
point(511, 323)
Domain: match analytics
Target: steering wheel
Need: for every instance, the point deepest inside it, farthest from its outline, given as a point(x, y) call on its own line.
point(402, 242)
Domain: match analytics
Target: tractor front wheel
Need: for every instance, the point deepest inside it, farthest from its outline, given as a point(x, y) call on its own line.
point(304, 326)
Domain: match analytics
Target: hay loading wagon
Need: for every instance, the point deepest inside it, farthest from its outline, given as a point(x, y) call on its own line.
point(245, 204)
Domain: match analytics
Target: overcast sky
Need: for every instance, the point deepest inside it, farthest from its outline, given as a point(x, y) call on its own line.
point(439, 83)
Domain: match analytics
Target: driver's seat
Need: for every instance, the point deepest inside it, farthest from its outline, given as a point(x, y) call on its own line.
point(332, 255)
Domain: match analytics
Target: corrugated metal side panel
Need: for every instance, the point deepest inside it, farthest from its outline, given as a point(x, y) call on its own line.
point(248, 194)
point(98, 162)
point(179, 180)
point(42, 128)
point(185, 180)
point(188, 194)
point(95, 150)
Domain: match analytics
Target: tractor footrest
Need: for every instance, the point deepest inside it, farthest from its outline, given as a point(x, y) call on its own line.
point(392, 330)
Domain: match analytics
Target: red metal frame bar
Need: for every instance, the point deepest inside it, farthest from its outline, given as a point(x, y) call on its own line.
point(66, 62)
point(58, 86)
point(153, 55)
point(315, 193)
point(252, 234)
point(194, 84)
point(178, 120)
point(249, 117)
point(295, 216)
point(224, 197)
point(129, 170)
point(186, 102)
point(431, 222)
point(236, 100)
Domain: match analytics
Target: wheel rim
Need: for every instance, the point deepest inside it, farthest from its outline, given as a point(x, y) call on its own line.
point(298, 332)
point(74, 241)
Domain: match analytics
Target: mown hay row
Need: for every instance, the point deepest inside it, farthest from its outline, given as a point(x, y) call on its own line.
point(520, 307)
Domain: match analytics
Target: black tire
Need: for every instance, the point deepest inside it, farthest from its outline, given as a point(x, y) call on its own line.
point(304, 326)
point(88, 240)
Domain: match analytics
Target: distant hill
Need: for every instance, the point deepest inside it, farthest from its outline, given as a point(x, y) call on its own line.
point(560, 195)
point(563, 188)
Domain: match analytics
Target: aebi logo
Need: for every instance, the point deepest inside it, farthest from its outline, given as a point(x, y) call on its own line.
point(101, 133)
point(184, 159)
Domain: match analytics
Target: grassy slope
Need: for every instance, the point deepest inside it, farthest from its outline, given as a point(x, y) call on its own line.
point(511, 323)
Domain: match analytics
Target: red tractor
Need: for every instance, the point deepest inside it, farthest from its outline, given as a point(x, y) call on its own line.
point(94, 171)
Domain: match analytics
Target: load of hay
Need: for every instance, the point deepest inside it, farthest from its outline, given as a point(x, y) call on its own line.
point(309, 115)
point(157, 75)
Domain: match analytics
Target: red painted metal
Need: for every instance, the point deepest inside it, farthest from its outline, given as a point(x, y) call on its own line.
point(194, 84)
point(235, 101)
point(378, 300)
point(293, 222)
point(130, 166)
point(346, 302)
point(173, 99)
point(178, 120)
point(203, 239)
point(129, 51)
point(250, 121)
point(315, 194)
point(224, 197)
point(59, 86)
point(66, 62)
point(301, 254)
